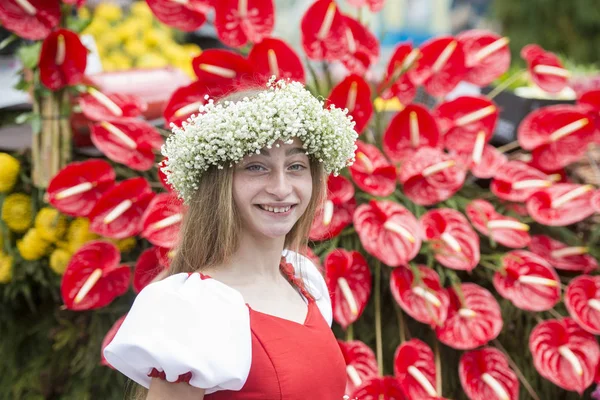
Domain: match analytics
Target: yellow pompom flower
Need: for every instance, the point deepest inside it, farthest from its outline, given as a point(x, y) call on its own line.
point(16, 212)
point(124, 245)
point(32, 246)
point(59, 259)
point(141, 9)
point(192, 49)
point(97, 27)
point(6, 262)
point(10, 168)
point(108, 11)
point(119, 60)
point(78, 234)
point(51, 224)
point(135, 47)
point(84, 13)
point(151, 60)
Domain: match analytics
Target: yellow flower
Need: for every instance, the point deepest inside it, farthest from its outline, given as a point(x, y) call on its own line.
point(192, 50)
point(141, 9)
point(151, 60)
point(59, 259)
point(10, 172)
point(84, 13)
point(78, 234)
point(5, 267)
point(97, 27)
point(108, 12)
point(120, 60)
point(32, 246)
point(108, 40)
point(16, 212)
point(51, 224)
point(135, 47)
point(157, 37)
point(124, 245)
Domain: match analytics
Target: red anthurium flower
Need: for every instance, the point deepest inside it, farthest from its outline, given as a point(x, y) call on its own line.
point(517, 181)
point(372, 172)
point(591, 101)
point(467, 122)
point(361, 364)
point(505, 230)
point(239, 22)
point(324, 32)
point(221, 68)
point(430, 176)
point(165, 256)
point(98, 106)
point(354, 94)
point(62, 60)
point(485, 374)
point(556, 135)
point(411, 129)
point(564, 353)
point(76, 188)
point(349, 280)
point(117, 214)
point(380, 388)
point(94, 278)
point(147, 267)
point(582, 299)
point(562, 256)
point(110, 335)
point(455, 243)
point(528, 281)
point(162, 219)
point(162, 177)
point(31, 19)
point(474, 318)
point(561, 204)
point(595, 201)
point(414, 366)
point(423, 298)
point(487, 55)
point(374, 5)
point(128, 141)
point(441, 65)
point(185, 15)
point(275, 57)
point(186, 101)
point(483, 162)
point(363, 47)
point(545, 68)
point(336, 214)
point(388, 231)
point(396, 78)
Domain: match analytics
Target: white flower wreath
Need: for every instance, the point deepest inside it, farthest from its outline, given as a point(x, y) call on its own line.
point(223, 134)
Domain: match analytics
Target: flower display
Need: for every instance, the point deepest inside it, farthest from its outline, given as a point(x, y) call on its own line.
point(10, 172)
point(16, 212)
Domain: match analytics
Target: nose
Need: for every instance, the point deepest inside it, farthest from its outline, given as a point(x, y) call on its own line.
point(279, 184)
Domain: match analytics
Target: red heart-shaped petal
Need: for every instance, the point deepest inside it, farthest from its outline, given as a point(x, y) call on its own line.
point(562, 256)
point(337, 211)
point(410, 130)
point(161, 221)
point(117, 214)
point(582, 299)
point(147, 267)
point(482, 164)
point(430, 176)
point(186, 101)
point(33, 20)
point(397, 79)
point(110, 335)
point(93, 278)
point(128, 141)
point(564, 353)
point(349, 280)
point(275, 57)
point(545, 68)
point(423, 298)
point(354, 94)
point(363, 47)
point(165, 256)
point(388, 231)
point(185, 15)
point(324, 32)
point(239, 22)
point(455, 243)
point(372, 172)
point(361, 364)
point(487, 55)
point(76, 188)
point(98, 106)
point(63, 59)
point(528, 281)
point(474, 318)
point(517, 181)
point(222, 69)
point(561, 204)
point(380, 388)
point(414, 366)
point(505, 230)
point(441, 65)
point(485, 374)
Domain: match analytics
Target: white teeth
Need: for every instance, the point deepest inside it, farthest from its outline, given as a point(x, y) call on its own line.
point(276, 209)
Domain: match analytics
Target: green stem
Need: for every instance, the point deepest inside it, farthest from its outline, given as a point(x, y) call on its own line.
point(400, 317)
point(328, 78)
point(350, 333)
point(504, 85)
point(378, 335)
point(314, 76)
point(438, 366)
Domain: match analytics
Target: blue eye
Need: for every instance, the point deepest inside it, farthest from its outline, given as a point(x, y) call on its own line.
point(297, 167)
point(254, 167)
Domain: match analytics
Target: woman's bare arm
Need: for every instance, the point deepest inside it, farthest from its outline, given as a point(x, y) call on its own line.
point(163, 390)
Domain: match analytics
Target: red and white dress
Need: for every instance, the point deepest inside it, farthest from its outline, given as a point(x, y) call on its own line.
point(191, 328)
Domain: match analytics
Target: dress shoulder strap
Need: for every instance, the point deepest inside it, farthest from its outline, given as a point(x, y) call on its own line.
point(289, 272)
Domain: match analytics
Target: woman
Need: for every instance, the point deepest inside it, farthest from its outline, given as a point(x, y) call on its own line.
point(242, 314)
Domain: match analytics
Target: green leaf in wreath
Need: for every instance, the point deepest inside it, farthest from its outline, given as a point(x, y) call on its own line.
point(29, 55)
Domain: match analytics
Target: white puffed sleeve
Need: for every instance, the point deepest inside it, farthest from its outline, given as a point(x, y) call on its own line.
point(185, 324)
point(313, 281)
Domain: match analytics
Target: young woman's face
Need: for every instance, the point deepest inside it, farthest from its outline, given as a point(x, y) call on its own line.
point(272, 189)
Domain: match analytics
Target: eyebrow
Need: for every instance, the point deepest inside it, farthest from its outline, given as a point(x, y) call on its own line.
point(289, 152)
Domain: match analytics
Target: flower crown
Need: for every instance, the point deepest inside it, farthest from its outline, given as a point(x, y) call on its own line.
point(224, 133)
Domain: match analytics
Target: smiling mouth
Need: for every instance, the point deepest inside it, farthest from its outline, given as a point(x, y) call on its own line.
point(275, 210)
